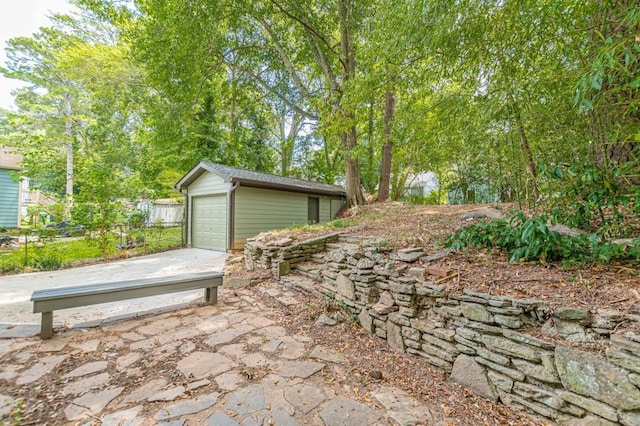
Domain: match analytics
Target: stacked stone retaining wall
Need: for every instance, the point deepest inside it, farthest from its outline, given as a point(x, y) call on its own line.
point(485, 342)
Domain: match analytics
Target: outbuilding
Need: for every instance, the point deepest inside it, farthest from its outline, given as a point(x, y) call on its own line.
point(226, 205)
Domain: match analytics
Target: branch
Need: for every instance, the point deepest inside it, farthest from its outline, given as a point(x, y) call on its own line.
point(287, 62)
point(271, 90)
point(308, 27)
point(324, 63)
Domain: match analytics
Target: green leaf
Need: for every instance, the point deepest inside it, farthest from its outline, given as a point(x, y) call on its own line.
point(558, 173)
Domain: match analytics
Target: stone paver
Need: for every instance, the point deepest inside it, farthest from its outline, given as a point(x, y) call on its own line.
point(229, 381)
point(127, 359)
point(213, 324)
point(143, 344)
point(325, 354)
point(293, 349)
point(220, 419)
point(145, 391)
point(190, 406)
point(88, 346)
point(271, 346)
point(302, 369)
point(402, 408)
point(55, 344)
point(8, 371)
point(133, 336)
point(236, 350)
point(177, 334)
point(158, 328)
point(11, 331)
point(91, 403)
point(44, 366)
point(174, 423)
point(6, 405)
point(276, 400)
point(230, 334)
point(124, 418)
point(304, 398)
point(86, 369)
point(85, 384)
point(281, 418)
point(247, 400)
point(273, 332)
point(199, 365)
point(256, 359)
point(226, 365)
point(167, 395)
point(343, 411)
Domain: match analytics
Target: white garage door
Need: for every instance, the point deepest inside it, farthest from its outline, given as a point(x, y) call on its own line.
point(209, 222)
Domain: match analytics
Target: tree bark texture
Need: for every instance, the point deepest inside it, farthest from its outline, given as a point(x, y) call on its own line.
point(387, 148)
point(349, 137)
point(68, 146)
point(526, 151)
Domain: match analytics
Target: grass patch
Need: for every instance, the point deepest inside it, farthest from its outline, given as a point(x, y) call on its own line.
point(52, 255)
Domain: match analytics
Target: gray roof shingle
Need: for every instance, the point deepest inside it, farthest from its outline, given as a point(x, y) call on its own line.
point(260, 180)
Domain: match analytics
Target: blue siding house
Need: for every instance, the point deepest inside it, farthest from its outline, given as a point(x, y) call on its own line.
point(9, 189)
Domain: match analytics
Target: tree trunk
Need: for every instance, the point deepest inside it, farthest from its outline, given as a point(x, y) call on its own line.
point(68, 146)
point(289, 141)
point(526, 151)
point(352, 169)
point(369, 179)
point(387, 148)
point(349, 137)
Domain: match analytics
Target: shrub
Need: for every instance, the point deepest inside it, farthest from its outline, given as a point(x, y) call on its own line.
point(527, 239)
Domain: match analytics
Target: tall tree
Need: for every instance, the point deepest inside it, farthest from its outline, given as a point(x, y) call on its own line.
point(302, 56)
point(35, 60)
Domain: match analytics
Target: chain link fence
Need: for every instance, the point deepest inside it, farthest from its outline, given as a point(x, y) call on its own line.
point(60, 246)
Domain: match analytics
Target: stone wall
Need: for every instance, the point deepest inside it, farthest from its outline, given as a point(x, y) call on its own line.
point(280, 256)
point(480, 339)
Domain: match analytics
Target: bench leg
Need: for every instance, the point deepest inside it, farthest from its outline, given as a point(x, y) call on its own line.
point(46, 325)
point(211, 295)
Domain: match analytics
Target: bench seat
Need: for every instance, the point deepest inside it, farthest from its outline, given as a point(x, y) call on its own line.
point(48, 300)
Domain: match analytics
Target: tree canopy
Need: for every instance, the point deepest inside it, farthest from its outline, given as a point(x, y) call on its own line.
point(532, 101)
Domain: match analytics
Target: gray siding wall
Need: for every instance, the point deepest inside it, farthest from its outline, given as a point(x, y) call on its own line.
point(336, 205)
point(257, 210)
point(207, 184)
point(325, 209)
point(9, 193)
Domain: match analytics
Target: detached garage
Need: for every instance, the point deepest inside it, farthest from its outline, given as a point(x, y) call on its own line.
point(226, 205)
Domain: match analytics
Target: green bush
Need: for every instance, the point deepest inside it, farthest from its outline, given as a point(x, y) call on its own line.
point(594, 198)
point(530, 239)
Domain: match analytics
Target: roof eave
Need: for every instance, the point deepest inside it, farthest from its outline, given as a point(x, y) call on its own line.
point(195, 173)
point(282, 187)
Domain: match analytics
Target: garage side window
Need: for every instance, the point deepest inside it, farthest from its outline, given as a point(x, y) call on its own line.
point(314, 210)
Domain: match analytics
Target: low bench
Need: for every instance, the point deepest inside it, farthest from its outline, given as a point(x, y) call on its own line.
point(53, 299)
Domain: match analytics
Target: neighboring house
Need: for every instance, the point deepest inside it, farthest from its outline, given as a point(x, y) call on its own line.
point(474, 192)
point(226, 205)
point(421, 184)
point(34, 197)
point(10, 187)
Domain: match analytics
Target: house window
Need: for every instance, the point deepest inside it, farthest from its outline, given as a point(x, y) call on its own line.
point(314, 210)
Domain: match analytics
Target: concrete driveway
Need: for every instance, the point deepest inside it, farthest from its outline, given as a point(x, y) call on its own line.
point(15, 290)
